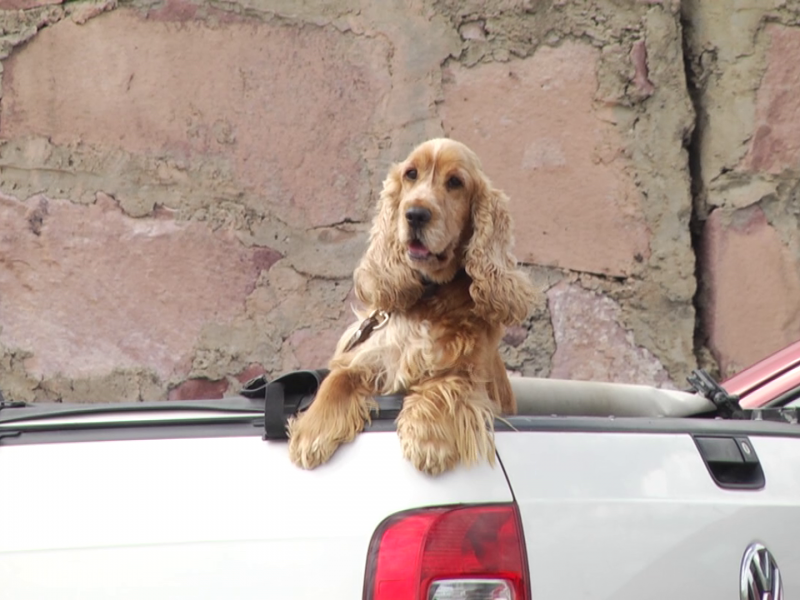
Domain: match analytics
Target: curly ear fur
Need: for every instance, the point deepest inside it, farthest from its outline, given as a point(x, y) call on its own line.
point(501, 292)
point(382, 279)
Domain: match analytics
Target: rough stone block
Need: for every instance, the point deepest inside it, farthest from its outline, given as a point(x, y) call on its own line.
point(199, 389)
point(544, 142)
point(752, 287)
point(775, 144)
point(289, 107)
point(25, 4)
point(312, 348)
point(592, 345)
point(87, 290)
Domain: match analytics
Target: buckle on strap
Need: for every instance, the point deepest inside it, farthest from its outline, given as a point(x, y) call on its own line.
point(376, 320)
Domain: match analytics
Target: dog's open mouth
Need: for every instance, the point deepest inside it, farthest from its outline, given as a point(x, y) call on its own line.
point(417, 250)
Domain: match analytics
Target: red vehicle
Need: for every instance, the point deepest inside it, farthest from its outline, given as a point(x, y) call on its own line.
point(771, 382)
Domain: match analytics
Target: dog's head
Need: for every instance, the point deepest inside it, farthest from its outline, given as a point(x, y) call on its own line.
point(437, 185)
point(438, 213)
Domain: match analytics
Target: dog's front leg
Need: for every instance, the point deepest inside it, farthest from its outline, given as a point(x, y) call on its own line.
point(337, 415)
point(444, 421)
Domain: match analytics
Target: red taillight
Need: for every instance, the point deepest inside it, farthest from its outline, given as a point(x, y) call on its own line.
point(448, 552)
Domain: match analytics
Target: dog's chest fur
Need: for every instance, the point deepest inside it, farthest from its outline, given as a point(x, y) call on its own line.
point(415, 344)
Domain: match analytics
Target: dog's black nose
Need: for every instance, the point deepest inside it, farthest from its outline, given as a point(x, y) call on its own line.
point(417, 216)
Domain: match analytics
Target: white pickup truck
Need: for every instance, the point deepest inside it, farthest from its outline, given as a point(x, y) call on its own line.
point(599, 491)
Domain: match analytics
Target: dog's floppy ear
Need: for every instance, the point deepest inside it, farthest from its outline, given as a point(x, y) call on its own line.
point(383, 279)
point(501, 292)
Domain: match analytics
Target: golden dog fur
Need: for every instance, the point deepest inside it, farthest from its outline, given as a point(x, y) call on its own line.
point(450, 284)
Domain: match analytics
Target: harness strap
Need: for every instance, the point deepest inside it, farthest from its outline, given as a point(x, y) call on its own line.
point(375, 320)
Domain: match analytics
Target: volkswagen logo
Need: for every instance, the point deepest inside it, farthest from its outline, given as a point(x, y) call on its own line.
point(760, 576)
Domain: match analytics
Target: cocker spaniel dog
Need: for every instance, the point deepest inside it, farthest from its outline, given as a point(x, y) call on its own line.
point(440, 284)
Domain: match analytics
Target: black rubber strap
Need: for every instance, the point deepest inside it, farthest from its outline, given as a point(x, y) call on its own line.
point(286, 396)
point(274, 412)
point(389, 407)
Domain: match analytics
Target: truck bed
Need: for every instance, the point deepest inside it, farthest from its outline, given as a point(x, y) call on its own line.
point(188, 501)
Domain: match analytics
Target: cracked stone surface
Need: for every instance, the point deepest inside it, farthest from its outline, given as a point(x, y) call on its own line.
point(187, 186)
point(744, 67)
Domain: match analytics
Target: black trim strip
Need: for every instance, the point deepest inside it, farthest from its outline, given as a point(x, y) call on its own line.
point(57, 410)
point(688, 425)
point(126, 431)
point(248, 426)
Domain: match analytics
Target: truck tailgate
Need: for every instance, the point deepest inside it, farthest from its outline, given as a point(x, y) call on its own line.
point(626, 514)
point(211, 517)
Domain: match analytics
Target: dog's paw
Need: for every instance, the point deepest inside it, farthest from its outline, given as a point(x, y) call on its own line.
point(428, 453)
point(315, 435)
point(435, 444)
point(309, 444)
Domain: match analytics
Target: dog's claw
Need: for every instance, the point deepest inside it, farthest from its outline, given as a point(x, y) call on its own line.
point(310, 453)
point(436, 446)
point(315, 436)
point(431, 456)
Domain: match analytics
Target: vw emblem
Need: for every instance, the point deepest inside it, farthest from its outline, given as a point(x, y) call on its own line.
point(760, 576)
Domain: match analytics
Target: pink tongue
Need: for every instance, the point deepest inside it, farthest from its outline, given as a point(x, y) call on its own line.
point(418, 250)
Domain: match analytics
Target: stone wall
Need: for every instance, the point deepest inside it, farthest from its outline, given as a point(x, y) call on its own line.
point(186, 187)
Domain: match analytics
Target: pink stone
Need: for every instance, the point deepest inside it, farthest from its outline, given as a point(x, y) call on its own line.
point(752, 288)
point(543, 141)
point(249, 373)
point(25, 4)
point(199, 389)
point(175, 10)
point(87, 289)
point(83, 11)
point(775, 144)
point(290, 108)
point(640, 78)
point(264, 257)
point(313, 349)
point(592, 345)
point(515, 335)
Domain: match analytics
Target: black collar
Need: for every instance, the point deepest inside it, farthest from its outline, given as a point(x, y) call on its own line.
point(431, 287)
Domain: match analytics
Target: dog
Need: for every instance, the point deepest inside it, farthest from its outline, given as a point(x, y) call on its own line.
point(440, 283)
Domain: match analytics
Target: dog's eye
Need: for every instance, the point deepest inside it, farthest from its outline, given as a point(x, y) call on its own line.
point(411, 174)
point(454, 183)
